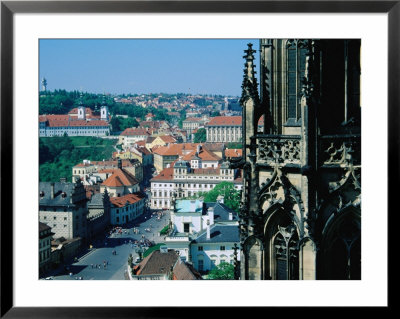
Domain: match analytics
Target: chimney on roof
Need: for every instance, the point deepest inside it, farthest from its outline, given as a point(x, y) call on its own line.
point(51, 190)
point(210, 213)
point(119, 163)
point(230, 216)
point(208, 229)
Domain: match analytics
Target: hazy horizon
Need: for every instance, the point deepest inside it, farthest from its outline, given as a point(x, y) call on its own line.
point(145, 66)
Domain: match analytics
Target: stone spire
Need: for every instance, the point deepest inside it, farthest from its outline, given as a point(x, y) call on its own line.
point(249, 85)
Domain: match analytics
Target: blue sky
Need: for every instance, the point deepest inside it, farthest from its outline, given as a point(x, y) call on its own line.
point(204, 66)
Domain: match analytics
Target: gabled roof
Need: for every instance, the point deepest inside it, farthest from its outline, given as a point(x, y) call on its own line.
point(175, 149)
point(157, 263)
point(165, 174)
point(149, 139)
point(219, 234)
point(204, 155)
point(184, 271)
point(120, 178)
point(221, 212)
point(135, 132)
point(225, 121)
point(43, 227)
point(126, 199)
point(168, 138)
point(63, 193)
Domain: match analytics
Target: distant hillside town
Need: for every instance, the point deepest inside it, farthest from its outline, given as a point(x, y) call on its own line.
point(109, 165)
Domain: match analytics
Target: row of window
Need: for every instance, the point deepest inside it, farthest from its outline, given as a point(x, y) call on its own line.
point(200, 248)
point(43, 255)
point(54, 217)
point(44, 243)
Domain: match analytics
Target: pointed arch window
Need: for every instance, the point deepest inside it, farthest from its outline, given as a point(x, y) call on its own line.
point(295, 68)
point(286, 254)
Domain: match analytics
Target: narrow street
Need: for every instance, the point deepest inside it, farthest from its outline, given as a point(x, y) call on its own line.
point(102, 264)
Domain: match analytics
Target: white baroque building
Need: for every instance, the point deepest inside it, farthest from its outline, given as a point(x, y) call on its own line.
point(224, 129)
point(184, 180)
point(80, 121)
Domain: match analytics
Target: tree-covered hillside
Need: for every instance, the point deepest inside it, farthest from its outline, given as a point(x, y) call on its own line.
point(57, 155)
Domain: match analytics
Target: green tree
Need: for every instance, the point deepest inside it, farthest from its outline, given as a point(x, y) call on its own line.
point(115, 124)
point(128, 123)
point(215, 113)
point(223, 271)
point(234, 145)
point(226, 189)
point(200, 136)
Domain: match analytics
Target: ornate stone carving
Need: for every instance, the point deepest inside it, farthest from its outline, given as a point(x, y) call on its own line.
point(340, 150)
point(279, 150)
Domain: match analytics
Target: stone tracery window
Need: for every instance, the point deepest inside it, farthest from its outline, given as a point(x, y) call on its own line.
point(295, 66)
point(285, 254)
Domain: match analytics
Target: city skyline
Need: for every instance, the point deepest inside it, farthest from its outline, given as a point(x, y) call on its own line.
point(144, 66)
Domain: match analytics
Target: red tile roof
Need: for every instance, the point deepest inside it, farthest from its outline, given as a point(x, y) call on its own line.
point(261, 121)
point(141, 143)
point(207, 171)
point(175, 149)
point(225, 121)
point(168, 138)
point(120, 177)
point(204, 154)
point(165, 174)
point(135, 132)
point(75, 111)
point(126, 199)
point(112, 163)
point(60, 120)
point(233, 152)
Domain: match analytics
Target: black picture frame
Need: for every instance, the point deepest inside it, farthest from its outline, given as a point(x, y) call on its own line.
point(9, 8)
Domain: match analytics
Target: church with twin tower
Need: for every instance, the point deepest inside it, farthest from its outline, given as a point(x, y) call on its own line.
point(300, 217)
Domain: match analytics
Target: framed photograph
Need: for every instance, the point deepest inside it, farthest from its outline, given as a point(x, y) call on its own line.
point(186, 42)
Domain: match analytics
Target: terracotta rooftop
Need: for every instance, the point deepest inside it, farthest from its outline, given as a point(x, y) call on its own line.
point(112, 163)
point(124, 200)
point(206, 171)
point(60, 120)
point(175, 149)
point(120, 177)
point(225, 121)
point(74, 111)
point(204, 155)
point(233, 152)
point(135, 132)
point(168, 138)
point(165, 174)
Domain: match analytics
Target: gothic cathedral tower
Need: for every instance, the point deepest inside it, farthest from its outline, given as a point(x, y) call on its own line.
point(301, 202)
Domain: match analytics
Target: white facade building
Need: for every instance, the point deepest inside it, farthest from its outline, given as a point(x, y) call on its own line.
point(186, 181)
point(203, 233)
point(126, 208)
